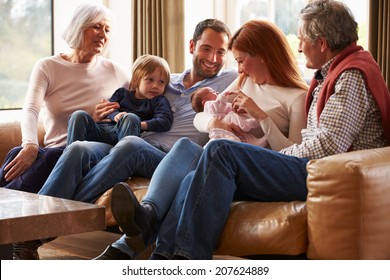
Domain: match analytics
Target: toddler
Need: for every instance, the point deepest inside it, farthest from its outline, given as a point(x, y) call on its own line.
point(142, 108)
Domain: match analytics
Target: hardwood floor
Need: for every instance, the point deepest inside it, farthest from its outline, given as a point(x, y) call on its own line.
point(86, 246)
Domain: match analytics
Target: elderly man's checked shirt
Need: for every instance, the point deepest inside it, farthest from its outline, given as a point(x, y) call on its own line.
point(350, 119)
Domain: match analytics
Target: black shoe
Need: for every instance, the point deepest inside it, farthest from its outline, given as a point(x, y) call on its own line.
point(27, 250)
point(112, 253)
point(135, 219)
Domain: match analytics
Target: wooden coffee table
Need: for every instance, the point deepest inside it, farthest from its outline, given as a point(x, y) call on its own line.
point(27, 216)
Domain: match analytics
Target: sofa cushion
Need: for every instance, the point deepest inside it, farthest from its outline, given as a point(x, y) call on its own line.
point(348, 206)
point(255, 228)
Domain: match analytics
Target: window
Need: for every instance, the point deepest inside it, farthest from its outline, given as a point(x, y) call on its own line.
point(26, 35)
point(283, 13)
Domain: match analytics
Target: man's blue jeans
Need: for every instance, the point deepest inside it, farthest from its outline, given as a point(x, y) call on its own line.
point(226, 171)
point(166, 180)
point(87, 169)
point(170, 173)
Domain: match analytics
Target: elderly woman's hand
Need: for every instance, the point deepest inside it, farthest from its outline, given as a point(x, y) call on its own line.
point(21, 162)
point(103, 109)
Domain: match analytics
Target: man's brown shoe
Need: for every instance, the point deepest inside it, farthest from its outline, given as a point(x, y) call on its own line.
point(136, 220)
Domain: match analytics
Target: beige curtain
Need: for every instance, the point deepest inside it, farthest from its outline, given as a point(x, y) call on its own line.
point(379, 35)
point(158, 29)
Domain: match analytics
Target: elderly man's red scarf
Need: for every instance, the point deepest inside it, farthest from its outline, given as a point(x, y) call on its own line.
point(354, 57)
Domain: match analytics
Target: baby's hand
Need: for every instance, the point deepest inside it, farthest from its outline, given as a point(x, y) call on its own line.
point(230, 95)
point(232, 92)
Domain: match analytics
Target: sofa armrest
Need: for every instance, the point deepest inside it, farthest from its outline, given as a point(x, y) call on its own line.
point(348, 205)
point(10, 133)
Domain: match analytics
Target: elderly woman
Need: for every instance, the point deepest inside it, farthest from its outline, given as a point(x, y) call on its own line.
point(60, 85)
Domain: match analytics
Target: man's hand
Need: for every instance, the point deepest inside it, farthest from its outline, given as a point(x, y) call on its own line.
point(103, 109)
point(21, 162)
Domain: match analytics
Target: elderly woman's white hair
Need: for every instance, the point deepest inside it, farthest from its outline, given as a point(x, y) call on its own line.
point(84, 16)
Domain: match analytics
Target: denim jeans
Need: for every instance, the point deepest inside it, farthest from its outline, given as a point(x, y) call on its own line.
point(166, 180)
point(87, 169)
point(81, 126)
point(226, 171)
point(170, 173)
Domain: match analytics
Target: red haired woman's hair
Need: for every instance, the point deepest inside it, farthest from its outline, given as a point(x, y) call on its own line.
point(263, 38)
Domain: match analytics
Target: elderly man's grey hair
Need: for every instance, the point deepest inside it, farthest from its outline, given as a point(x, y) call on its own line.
point(330, 19)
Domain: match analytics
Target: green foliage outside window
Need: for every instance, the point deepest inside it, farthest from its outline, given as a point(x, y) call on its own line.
point(26, 36)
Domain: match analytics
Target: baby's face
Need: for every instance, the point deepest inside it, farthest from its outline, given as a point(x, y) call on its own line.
point(208, 94)
point(201, 96)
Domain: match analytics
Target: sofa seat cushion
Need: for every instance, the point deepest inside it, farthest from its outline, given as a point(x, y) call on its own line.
point(253, 228)
point(348, 206)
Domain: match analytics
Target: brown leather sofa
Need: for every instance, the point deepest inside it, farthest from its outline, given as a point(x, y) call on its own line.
point(346, 216)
